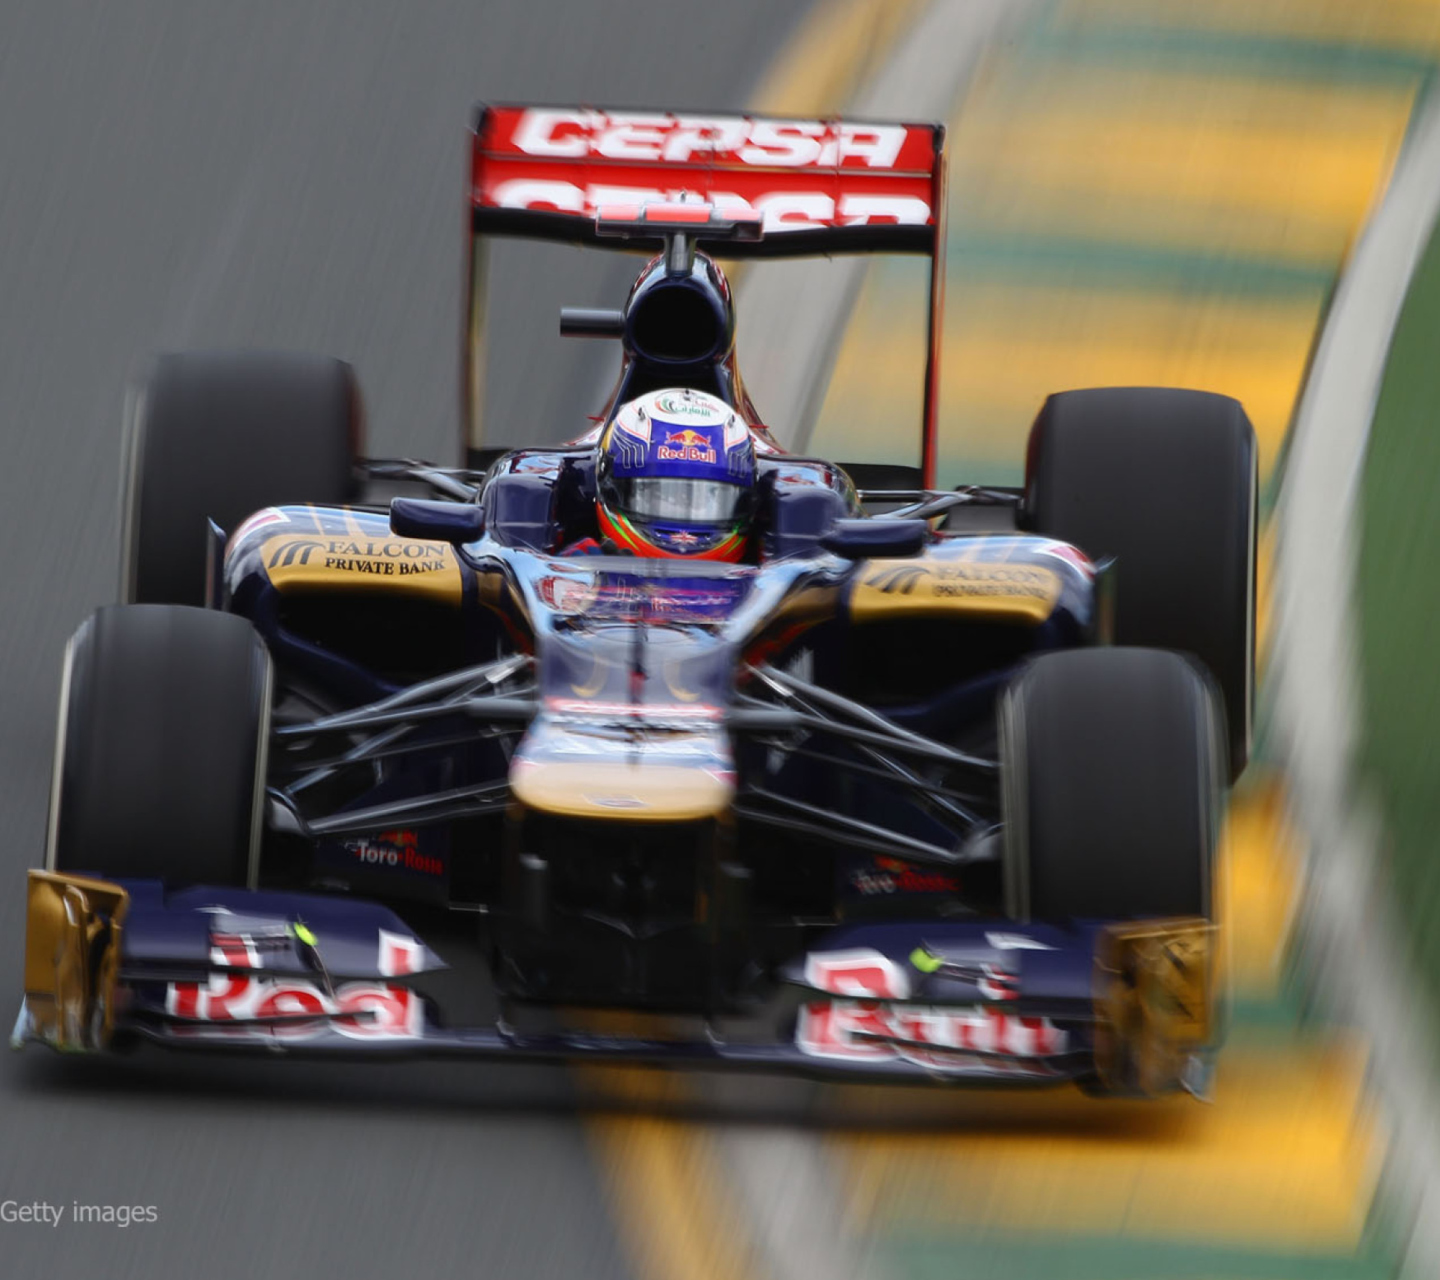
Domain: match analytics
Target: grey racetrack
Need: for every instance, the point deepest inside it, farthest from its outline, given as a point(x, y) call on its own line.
point(186, 173)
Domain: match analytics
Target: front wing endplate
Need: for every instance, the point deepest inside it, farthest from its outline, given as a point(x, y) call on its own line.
point(1153, 1003)
point(73, 927)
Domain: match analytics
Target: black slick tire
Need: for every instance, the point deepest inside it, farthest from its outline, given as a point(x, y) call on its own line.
point(1164, 481)
point(218, 436)
point(161, 746)
point(1111, 786)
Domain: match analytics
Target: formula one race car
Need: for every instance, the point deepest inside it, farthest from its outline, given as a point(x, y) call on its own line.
point(910, 783)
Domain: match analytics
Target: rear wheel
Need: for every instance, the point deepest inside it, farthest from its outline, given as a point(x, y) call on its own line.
point(160, 754)
point(1111, 787)
point(217, 436)
point(1163, 480)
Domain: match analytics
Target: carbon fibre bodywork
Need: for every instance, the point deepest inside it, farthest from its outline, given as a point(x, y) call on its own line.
point(640, 824)
point(762, 800)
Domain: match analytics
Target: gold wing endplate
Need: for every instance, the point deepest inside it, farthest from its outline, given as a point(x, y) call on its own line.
point(1154, 1003)
point(73, 927)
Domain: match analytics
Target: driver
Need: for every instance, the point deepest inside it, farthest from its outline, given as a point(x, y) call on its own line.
point(675, 478)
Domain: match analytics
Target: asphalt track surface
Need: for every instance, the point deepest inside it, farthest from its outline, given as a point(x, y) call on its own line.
point(281, 175)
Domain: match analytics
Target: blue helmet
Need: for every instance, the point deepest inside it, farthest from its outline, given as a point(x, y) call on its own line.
point(676, 477)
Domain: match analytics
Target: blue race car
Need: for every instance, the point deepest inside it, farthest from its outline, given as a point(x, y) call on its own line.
point(885, 782)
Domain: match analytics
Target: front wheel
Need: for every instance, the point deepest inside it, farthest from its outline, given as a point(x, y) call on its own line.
point(1111, 787)
point(160, 754)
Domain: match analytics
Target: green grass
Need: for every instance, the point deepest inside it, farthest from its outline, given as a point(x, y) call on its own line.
point(1398, 593)
point(1038, 1257)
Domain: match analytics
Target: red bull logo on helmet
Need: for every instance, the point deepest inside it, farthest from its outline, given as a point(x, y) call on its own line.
point(686, 445)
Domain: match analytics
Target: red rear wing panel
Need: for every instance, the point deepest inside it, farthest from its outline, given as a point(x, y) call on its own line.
point(818, 186)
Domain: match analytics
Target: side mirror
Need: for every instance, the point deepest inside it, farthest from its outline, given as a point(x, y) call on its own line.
point(458, 522)
point(877, 536)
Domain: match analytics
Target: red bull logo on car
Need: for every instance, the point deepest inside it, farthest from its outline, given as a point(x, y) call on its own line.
point(686, 446)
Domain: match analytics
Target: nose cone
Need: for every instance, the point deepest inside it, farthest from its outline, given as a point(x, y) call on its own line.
point(621, 790)
point(587, 758)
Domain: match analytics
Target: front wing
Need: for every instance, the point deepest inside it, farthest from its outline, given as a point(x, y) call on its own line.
point(1123, 1007)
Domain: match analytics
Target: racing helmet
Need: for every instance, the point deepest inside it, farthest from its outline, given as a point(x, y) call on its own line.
point(676, 477)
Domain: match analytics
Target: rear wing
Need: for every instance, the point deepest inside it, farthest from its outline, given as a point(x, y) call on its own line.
point(816, 187)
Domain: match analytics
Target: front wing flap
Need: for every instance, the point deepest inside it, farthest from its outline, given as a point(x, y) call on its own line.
point(1123, 1007)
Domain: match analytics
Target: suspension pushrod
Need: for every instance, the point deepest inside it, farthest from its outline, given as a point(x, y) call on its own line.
point(836, 704)
point(894, 771)
point(476, 799)
point(492, 673)
point(490, 707)
point(834, 826)
point(760, 718)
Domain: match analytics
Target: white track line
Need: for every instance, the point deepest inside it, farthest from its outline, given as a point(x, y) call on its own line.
point(1348, 925)
point(792, 319)
point(792, 1195)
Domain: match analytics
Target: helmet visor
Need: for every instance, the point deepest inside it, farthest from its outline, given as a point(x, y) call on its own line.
point(682, 501)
